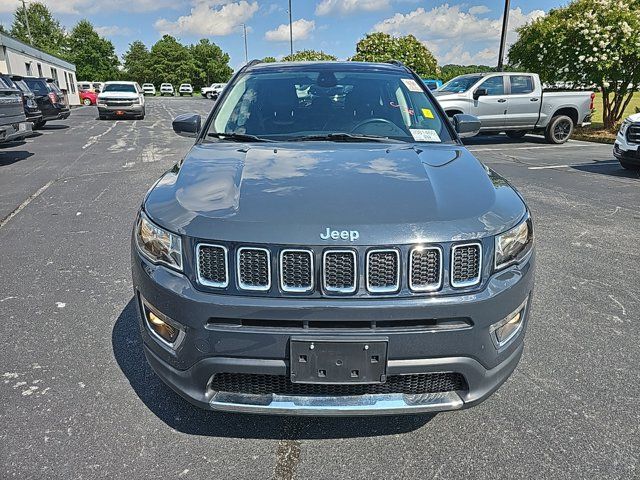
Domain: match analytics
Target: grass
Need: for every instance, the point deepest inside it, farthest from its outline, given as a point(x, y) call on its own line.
point(596, 131)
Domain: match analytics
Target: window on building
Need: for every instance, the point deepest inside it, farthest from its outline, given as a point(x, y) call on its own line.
point(54, 75)
point(28, 68)
point(40, 70)
point(66, 80)
point(72, 83)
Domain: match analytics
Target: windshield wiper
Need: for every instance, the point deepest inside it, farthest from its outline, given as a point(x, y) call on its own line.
point(238, 137)
point(343, 137)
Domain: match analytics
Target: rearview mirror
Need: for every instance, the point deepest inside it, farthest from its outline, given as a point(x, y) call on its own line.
point(466, 125)
point(187, 125)
point(480, 92)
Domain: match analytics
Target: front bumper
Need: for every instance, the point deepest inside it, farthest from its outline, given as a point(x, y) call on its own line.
point(207, 350)
point(626, 151)
point(18, 131)
point(126, 110)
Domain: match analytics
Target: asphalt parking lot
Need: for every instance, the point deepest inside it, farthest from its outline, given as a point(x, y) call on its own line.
point(79, 400)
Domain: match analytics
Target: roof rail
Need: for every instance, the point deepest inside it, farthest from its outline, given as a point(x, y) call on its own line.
point(253, 62)
point(397, 63)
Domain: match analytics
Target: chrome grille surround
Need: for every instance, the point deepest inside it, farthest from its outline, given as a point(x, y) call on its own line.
point(428, 286)
point(469, 281)
point(287, 286)
point(333, 253)
point(251, 285)
point(386, 288)
point(633, 133)
point(200, 273)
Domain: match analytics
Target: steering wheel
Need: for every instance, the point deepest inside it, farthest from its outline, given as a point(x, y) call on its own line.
point(377, 120)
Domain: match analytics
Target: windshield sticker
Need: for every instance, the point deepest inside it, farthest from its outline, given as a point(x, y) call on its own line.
point(426, 113)
point(411, 84)
point(422, 135)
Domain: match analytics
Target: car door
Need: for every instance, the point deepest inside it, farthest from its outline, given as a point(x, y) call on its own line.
point(523, 106)
point(492, 107)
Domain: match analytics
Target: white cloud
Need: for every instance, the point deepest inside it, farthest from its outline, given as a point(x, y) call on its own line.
point(80, 7)
point(301, 30)
point(345, 7)
point(113, 31)
point(456, 35)
point(213, 17)
point(479, 9)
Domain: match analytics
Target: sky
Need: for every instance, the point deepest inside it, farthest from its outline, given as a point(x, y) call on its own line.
point(456, 32)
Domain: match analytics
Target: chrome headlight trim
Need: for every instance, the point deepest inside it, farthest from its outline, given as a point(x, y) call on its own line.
point(169, 243)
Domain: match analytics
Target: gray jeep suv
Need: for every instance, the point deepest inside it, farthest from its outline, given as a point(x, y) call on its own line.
point(329, 247)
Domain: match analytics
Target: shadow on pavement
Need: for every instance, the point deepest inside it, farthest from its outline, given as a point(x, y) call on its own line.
point(10, 157)
point(503, 140)
point(612, 168)
point(177, 413)
point(49, 127)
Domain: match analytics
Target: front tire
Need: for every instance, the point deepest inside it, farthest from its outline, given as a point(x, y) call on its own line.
point(559, 130)
point(516, 134)
point(38, 125)
point(86, 102)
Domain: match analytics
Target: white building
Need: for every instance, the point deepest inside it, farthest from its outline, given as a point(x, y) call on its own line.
point(18, 58)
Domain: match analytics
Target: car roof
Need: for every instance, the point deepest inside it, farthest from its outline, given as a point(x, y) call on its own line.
point(314, 66)
point(118, 82)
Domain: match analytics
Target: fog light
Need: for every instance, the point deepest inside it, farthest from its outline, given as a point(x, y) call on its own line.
point(506, 329)
point(160, 325)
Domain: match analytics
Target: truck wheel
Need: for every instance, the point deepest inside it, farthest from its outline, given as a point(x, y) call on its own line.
point(210, 96)
point(559, 129)
point(38, 125)
point(629, 166)
point(516, 134)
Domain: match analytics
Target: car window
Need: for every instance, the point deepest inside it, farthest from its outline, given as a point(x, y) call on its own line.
point(494, 85)
point(290, 105)
point(4, 83)
point(22, 85)
point(521, 84)
point(120, 87)
point(38, 87)
point(460, 84)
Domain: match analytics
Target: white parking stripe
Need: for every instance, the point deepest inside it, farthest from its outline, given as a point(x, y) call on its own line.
point(534, 147)
point(598, 164)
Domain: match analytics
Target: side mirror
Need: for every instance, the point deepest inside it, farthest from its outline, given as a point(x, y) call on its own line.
point(466, 125)
point(187, 125)
point(479, 92)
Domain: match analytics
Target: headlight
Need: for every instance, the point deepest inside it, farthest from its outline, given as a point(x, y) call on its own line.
point(514, 244)
point(157, 244)
point(135, 101)
point(624, 126)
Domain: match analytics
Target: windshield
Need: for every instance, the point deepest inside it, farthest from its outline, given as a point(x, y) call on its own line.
point(460, 84)
point(119, 87)
point(293, 105)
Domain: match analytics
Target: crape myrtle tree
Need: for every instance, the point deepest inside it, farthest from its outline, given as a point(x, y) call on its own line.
point(308, 56)
point(586, 43)
point(381, 47)
point(447, 72)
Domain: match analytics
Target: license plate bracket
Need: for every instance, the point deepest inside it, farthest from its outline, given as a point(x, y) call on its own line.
point(338, 361)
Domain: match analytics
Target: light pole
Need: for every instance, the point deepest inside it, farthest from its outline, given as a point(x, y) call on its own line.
point(290, 29)
point(246, 49)
point(26, 19)
point(503, 38)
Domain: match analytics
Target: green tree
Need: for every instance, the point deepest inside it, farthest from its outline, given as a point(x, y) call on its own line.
point(269, 60)
point(308, 56)
point(447, 72)
point(381, 47)
point(46, 32)
point(136, 62)
point(586, 43)
point(212, 63)
point(94, 57)
point(171, 62)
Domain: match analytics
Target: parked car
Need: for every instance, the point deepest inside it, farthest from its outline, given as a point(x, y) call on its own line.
point(516, 104)
point(185, 89)
point(149, 89)
point(627, 145)
point(213, 91)
point(342, 254)
point(166, 89)
point(13, 122)
point(87, 97)
point(84, 86)
point(121, 99)
point(32, 112)
point(49, 98)
point(432, 84)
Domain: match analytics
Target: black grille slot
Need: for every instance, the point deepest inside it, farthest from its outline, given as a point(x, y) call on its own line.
point(383, 271)
point(296, 270)
point(633, 133)
point(465, 265)
point(425, 266)
point(254, 269)
point(212, 265)
point(281, 385)
point(340, 271)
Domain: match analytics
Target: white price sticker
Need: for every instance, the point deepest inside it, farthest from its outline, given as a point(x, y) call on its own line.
point(411, 84)
point(423, 135)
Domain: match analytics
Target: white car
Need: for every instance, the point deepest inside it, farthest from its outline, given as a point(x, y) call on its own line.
point(213, 91)
point(166, 89)
point(149, 89)
point(185, 89)
point(121, 99)
point(627, 146)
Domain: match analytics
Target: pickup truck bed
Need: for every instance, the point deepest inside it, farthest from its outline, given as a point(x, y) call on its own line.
point(12, 117)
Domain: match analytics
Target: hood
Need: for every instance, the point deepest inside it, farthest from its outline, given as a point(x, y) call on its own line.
point(634, 118)
point(291, 193)
point(105, 95)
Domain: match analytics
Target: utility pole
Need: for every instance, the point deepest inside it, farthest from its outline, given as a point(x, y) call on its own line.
point(246, 49)
point(290, 29)
point(503, 39)
point(26, 18)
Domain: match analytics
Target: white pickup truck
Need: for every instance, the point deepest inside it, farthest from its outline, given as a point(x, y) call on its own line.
point(213, 91)
point(515, 103)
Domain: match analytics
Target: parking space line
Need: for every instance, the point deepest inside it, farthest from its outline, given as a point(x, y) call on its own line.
point(546, 167)
point(25, 203)
point(534, 147)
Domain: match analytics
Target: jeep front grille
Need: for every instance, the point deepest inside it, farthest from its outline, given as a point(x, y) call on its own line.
point(466, 265)
point(633, 133)
point(383, 270)
point(254, 268)
point(212, 265)
point(296, 270)
point(340, 271)
point(425, 269)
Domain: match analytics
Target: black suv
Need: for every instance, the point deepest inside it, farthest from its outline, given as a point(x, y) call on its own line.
point(49, 98)
point(31, 109)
